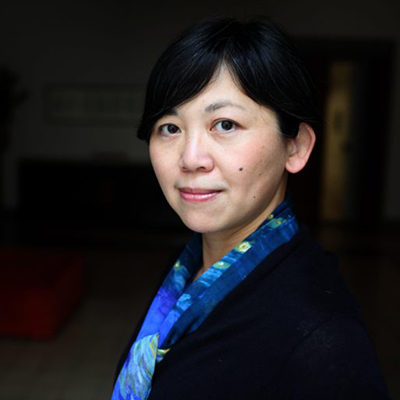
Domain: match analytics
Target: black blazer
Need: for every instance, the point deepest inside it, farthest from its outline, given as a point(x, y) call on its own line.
point(290, 330)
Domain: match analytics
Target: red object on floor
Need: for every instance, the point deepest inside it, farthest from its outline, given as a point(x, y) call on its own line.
point(38, 290)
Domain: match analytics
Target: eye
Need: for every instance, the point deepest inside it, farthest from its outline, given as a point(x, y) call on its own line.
point(225, 126)
point(169, 129)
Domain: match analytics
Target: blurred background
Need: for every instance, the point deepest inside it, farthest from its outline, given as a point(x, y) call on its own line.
point(85, 233)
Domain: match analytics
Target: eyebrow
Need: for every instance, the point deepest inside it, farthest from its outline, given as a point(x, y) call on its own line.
point(211, 107)
point(172, 111)
point(220, 104)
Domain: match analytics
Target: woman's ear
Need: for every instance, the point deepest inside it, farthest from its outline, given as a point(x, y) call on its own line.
point(300, 148)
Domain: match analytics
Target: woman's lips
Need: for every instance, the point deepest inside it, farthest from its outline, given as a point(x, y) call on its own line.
point(196, 195)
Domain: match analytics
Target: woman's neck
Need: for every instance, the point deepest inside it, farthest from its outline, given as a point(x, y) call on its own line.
point(217, 244)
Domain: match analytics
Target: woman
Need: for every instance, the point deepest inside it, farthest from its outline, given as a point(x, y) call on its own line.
point(252, 308)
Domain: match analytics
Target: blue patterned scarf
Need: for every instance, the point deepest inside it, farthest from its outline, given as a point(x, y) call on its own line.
point(181, 305)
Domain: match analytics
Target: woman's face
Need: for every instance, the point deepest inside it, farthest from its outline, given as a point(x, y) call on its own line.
point(220, 160)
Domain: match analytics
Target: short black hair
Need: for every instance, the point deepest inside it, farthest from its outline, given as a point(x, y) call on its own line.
point(261, 58)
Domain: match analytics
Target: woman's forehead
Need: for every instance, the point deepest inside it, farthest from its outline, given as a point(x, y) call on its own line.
point(221, 92)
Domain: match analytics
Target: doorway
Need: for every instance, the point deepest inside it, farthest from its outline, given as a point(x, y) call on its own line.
point(344, 180)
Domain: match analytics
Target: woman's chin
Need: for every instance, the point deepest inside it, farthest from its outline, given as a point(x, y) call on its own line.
point(201, 225)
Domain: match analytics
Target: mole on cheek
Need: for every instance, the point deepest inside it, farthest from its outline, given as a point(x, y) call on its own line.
point(241, 169)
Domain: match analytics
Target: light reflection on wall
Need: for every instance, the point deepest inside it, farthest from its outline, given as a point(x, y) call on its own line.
point(337, 146)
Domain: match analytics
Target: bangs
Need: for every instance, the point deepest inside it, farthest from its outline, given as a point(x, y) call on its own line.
point(261, 59)
point(182, 72)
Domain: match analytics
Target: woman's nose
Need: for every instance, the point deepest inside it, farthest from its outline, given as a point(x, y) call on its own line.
point(195, 156)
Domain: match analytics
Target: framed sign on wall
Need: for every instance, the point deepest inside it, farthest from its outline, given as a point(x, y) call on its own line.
point(92, 104)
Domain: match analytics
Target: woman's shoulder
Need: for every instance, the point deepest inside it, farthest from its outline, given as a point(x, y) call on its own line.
point(334, 361)
point(313, 274)
point(301, 278)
